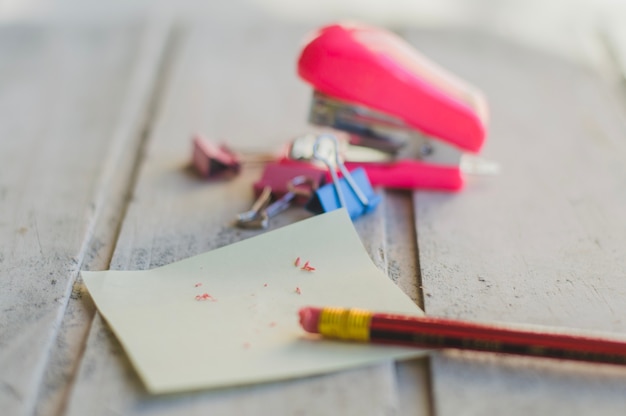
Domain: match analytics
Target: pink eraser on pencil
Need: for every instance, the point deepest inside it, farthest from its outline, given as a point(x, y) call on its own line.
point(309, 318)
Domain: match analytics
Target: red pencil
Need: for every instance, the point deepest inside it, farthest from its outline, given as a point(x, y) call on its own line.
point(419, 331)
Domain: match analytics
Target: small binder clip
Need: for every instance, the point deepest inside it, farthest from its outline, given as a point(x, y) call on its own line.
point(211, 160)
point(280, 177)
point(353, 191)
point(374, 85)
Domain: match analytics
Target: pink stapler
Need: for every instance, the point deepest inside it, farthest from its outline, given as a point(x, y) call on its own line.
point(375, 86)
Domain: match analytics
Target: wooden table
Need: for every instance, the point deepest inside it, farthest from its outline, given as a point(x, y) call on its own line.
point(95, 130)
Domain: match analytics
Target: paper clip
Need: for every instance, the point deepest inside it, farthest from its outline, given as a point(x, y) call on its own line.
point(374, 85)
point(259, 215)
point(256, 216)
point(353, 191)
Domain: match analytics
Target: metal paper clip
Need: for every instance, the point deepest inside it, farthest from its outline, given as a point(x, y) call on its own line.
point(353, 191)
point(256, 216)
point(261, 212)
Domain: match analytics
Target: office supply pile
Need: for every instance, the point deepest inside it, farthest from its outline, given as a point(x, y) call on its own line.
point(396, 120)
point(229, 317)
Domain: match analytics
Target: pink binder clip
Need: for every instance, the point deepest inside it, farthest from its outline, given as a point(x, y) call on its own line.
point(374, 85)
point(279, 177)
point(213, 161)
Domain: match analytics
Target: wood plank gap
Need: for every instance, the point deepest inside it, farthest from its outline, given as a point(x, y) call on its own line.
point(401, 244)
point(115, 186)
point(430, 391)
point(161, 77)
point(414, 385)
point(415, 249)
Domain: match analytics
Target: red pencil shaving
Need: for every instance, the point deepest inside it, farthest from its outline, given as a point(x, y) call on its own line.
point(197, 285)
point(265, 285)
point(298, 291)
point(307, 267)
point(205, 296)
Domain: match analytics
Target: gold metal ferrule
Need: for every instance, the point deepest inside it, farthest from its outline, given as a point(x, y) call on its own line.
point(348, 324)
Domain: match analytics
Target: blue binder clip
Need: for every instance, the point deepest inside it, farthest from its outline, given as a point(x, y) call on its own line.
point(353, 191)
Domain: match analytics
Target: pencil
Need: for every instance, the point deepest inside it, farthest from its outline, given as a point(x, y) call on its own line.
point(428, 332)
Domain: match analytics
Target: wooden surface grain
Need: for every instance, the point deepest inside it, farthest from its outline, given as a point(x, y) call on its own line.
point(542, 243)
point(62, 92)
point(95, 129)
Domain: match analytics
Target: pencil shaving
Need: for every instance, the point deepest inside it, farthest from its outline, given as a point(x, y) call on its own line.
point(205, 296)
point(307, 267)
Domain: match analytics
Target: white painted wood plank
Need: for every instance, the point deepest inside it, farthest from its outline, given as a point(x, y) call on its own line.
point(543, 242)
point(477, 384)
point(61, 90)
point(114, 184)
point(238, 84)
point(413, 384)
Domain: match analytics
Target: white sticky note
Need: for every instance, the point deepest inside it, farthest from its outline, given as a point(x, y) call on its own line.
point(230, 316)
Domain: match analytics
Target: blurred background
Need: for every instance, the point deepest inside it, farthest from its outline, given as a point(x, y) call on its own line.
point(558, 26)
